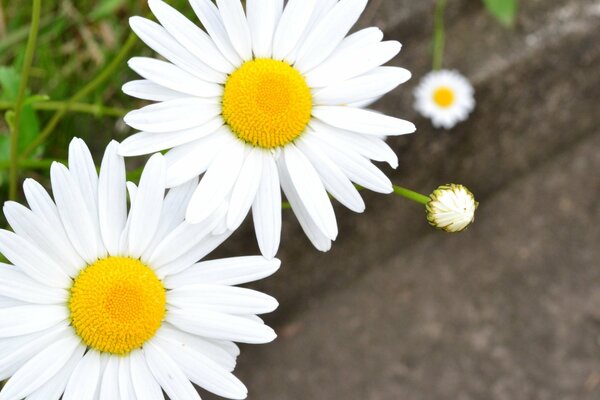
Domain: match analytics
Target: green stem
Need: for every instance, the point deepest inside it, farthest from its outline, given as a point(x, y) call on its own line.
point(30, 164)
point(16, 125)
point(95, 109)
point(411, 195)
point(439, 36)
point(105, 74)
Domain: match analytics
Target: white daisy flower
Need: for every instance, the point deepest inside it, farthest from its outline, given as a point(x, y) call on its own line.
point(446, 97)
point(451, 208)
point(270, 97)
point(106, 303)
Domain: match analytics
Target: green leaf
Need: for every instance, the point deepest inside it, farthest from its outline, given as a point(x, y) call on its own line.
point(505, 11)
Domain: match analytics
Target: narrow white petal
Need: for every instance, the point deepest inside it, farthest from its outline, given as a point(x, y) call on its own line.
point(144, 384)
point(263, 17)
point(295, 17)
point(245, 188)
point(266, 209)
point(148, 90)
point(41, 204)
point(310, 190)
point(174, 78)
point(363, 121)
point(217, 181)
point(84, 383)
point(329, 33)
point(112, 202)
point(126, 389)
point(28, 319)
point(168, 374)
point(109, 385)
point(220, 326)
point(350, 62)
point(225, 271)
point(173, 115)
point(42, 367)
point(131, 192)
point(210, 18)
point(321, 9)
point(236, 25)
point(364, 37)
point(32, 261)
point(373, 84)
point(334, 179)
point(145, 212)
point(163, 43)
point(17, 285)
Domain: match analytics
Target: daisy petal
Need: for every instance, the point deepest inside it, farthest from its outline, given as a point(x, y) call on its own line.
point(236, 25)
point(173, 115)
point(321, 9)
point(42, 205)
point(126, 389)
point(109, 385)
point(363, 121)
point(84, 383)
point(263, 17)
point(17, 285)
point(364, 37)
point(22, 320)
point(293, 21)
point(144, 384)
point(148, 90)
point(83, 169)
point(226, 271)
point(266, 209)
point(245, 188)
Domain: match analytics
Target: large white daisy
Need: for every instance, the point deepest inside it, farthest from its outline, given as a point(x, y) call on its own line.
point(446, 97)
point(106, 303)
point(269, 98)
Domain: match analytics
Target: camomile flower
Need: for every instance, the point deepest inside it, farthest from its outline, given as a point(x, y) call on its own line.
point(446, 97)
point(102, 302)
point(268, 98)
point(451, 208)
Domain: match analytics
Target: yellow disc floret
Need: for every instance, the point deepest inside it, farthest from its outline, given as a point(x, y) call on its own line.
point(443, 97)
point(117, 304)
point(267, 103)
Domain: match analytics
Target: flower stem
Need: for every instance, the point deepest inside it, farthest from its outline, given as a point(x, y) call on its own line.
point(94, 109)
point(411, 195)
point(106, 73)
point(439, 36)
point(19, 103)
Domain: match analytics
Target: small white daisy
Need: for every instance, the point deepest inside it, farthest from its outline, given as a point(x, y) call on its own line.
point(105, 303)
point(270, 97)
point(452, 208)
point(446, 97)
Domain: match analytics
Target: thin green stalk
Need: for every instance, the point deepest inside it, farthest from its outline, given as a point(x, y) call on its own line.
point(439, 35)
point(411, 195)
point(95, 109)
point(105, 74)
point(16, 124)
point(43, 164)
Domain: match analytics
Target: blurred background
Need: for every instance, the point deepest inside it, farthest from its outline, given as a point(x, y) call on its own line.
point(509, 310)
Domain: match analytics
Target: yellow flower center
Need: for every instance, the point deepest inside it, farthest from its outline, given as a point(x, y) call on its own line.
point(117, 304)
point(443, 97)
point(267, 103)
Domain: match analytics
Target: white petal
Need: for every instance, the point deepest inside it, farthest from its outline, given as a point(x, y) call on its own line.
point(236, 25)
point(32, 261)
point(17, 285)
point(295, 17)
point(263, 17)
point(334, 180)
point(145, 212)
point(245, 188)
point(112, 202)
point(174, 78)
point(82, 228)
point(220, 326)
point(363, 121)
point(148, 90)
point(109, 385)
point(351, 61)
point(373, 84)
point(329, 33)
point(150, 142)
point(131, 191)
point(28, 319)
point(266, 209)
point(173, 115)
point(144, 384)
point(364, 37)
point(84, 383)
point(194, 39)
point(163, 43)
point(225, 271)
point(188, 161)
point(210, 18)
point(47, 238)
point(168, 374)
point(41, 204)
point(321, 9)
point(126, 388)
point(204, 372)
point(217, 181)
point(42, 367)
point(310, 190)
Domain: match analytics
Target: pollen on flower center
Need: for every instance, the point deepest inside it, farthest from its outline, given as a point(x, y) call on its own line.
point(444, 97)
point(117, 304)
point(267, 103)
